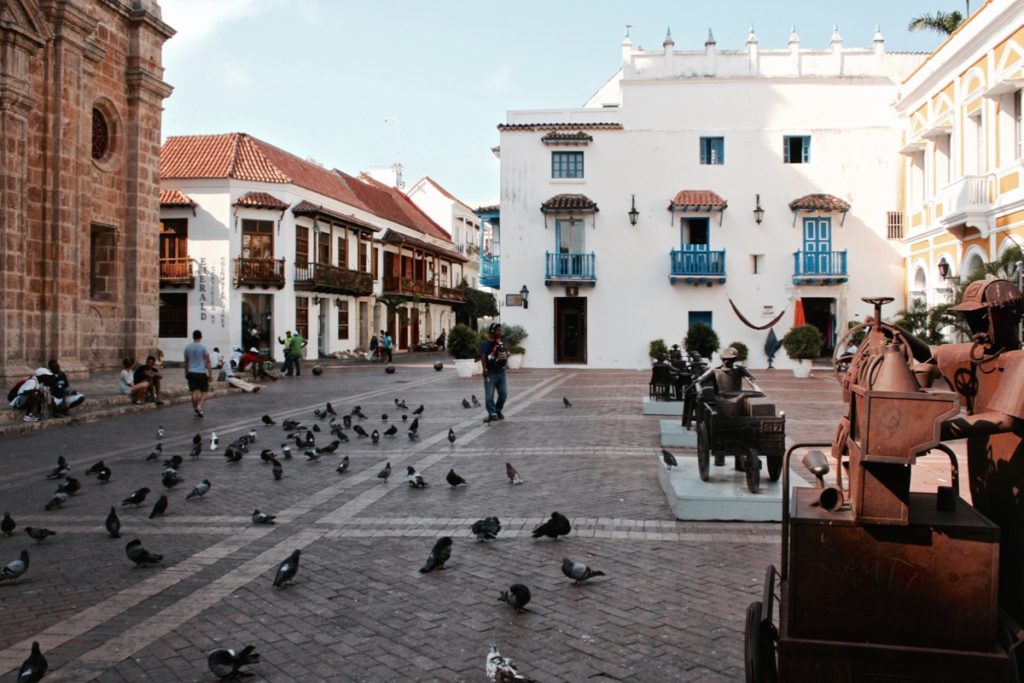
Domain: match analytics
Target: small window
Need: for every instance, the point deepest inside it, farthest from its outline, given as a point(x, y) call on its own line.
point(342, 319)
point(712, 151)
point(796, 149)
point(173, 316)
point(301, 245)
point(258, 239)
point(698, 317)
point(376, 259)
point(323, 248)
point(567, 164)
point(695, 232)
point(342, 251)
point(100, 135)
point(302, 316)
point(757, 260)
point(174, 238)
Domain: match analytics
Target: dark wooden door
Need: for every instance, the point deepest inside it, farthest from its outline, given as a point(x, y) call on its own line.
point(571, 330)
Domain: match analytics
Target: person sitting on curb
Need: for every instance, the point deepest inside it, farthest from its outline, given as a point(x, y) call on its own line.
point(28, 395)
point(150, 374)
point(251, 361)
point(228, 375)
point(128, 386)
point(63, 398)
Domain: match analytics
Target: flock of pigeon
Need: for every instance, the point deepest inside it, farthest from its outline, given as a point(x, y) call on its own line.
point(227, 663)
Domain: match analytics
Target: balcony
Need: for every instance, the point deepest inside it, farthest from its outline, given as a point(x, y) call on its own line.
point(259, 272)
point(177, 272)
point(410, 287)
point(966, 202)
point(490, 271)
point(320, 277)
point(697, 266)
point(570, 269)
point(819, 267)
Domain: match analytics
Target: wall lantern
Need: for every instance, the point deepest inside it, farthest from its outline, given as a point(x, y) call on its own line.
point(525, 293)
point(633, 213)
point(337, 303)
point(426, 308)
point(943, 266)
point(758, 209)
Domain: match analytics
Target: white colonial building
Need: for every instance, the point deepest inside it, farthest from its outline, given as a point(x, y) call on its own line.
point(455, 216)
point(255, 237)
point(717, 186)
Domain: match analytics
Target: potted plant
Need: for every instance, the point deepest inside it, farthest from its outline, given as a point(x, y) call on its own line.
point(742, 352)
point(657, 350)
point(702, 339)
point(513, 336)
point(463, 343)
point(803, 344)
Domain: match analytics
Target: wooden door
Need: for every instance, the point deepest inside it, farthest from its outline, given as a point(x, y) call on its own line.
point(571, 330)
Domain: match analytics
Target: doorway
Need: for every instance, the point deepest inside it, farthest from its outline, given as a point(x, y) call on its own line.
point(321, 321)
point(364, 332)
point(257, 310)
point(571, 330)
point(821, 312)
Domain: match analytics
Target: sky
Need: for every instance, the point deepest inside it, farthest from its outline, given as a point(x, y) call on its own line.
point(355, 85)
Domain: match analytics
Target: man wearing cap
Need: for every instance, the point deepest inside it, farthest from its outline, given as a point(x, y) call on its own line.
point(28, 395)
point(287, 342)
point(494, 359)
point(297, 347)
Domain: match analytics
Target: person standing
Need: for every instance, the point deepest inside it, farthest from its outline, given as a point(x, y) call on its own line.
point(197, 371)
point(288, 362)
point(297, 345)
point(493, 360)
point(388, 344)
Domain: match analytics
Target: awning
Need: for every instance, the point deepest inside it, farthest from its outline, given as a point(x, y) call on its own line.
point(176, 199)
point(307, 208)
point(819, 203)
point(393, 237)
point(565, 203)
point(260, 200)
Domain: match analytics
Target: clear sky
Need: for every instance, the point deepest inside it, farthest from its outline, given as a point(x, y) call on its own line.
point(322, 78)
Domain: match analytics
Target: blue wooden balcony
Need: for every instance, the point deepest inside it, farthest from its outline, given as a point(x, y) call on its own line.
point(697, 266)
point(490, 271)
point(819, 267)
point(573, 268)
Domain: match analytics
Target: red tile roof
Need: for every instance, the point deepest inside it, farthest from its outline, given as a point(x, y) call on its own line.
point(819, 202)
point(175, 198)
point(490, 208)
point(559, 126)
point(260, 200)
point(558, 138)
point(391, 204)
point(698, 199)
point(569, 202)
point(306, 208)
point(393, 237)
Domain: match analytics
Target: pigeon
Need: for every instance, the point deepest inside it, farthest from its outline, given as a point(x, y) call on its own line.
point(308, 442)
point(401, 404)
point(262, 517)
point(267, 455)
point(319, 414)
point(439, 554)
point(578, 571)
point(171, 479)
point(227, 664)
point(200, 490)
point(34, 667)
point(70, 486)
point(358, 412)
point(375, 436)
point(476, 401)
point(197, 439)
point(513, 474)
point(414, 479)
point(159, 507)
point(233, 454)
point(197, 449)
point(39, 535)
point(174, 462)
point(415, 426)
point(316, 428)
point(160, 432)
point(330, 448)
point(286, 451)
point(287, 569)
point(414, 436)
point(251, 435)
point(359, 430)
point(137, 497)
point(466, 404)
point(156, 453)
point(516, 596)
point(278, 471)
point(214, 441)
point(451, 436)
point(670, 460)
point(289, 425)
point(391, 431)
point(15, 568)
point(501, 670)
point(61, 470)
point(385, 473)
point(566, 402)
point(313, 455)
point(104, 476)
point(329, 409)
point(95, 469)
point(486, 529)
point(418, 411)
point(557, 526)
point(113, 524)
point(454, 479)
point(346, 421)
point(405, 418)
point(140, 556)
point(384, 417)
point(343, 465)
point(267, 420)
point(57, 501)
point(7, 525)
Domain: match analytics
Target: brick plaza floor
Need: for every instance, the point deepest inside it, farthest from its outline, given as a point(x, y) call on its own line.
point(671, 608)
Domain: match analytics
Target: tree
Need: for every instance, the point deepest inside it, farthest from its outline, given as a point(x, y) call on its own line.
point(478, 305)
point(941, 22)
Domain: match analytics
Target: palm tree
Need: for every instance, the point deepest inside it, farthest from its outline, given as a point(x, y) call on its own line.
point(940, 22)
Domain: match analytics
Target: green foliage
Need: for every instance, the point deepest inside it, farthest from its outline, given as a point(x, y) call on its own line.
point(516, 349)
point(927, 324)
point(513, 335)
point(702, 339)
point(477, 305)
point(859, 337)
point(943, 23)
point(463, 342)
point(803, 342)
point(657, 349)
point(741, 351)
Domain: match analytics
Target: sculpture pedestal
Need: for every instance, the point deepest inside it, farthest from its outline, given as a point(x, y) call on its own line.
point(674, 435)
point(664, 408)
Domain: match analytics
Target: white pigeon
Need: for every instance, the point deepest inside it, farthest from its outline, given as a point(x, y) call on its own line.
point(214, 441)
point(502, 670)
point(160, 432)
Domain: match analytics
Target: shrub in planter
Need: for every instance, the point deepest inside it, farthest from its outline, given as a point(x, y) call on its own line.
point(702, 339)
point(513, 336)
point(657, 349)
point(741, 351)
point(463, 342)
point(803, 342)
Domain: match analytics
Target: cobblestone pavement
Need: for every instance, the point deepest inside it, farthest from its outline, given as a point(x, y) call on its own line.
point(671, 608)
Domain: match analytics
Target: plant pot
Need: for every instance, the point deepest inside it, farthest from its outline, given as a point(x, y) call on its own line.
point(802, 369)
point(464, 367)
point(478, 368)
point(515, 361)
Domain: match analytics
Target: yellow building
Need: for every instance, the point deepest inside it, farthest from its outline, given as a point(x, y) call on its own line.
point(963, 177)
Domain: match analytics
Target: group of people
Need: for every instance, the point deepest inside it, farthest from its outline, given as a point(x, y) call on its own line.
point(382, 347)
point(47, 387)
point(294, 350)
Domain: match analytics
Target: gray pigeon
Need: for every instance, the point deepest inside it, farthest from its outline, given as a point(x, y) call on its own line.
point(391, 431)
point(439, 554)
point(13, 570)
point(95, 469)
point(566, 402)
point(227, 664)
point(160, 431)
point(278, 471)
point(286, 571)
point(103, 476)
point(200, 490)
point(375, 436)
point(197, 449)
point(343, 465)
point(454, 479)
point(113, 524)
point(476, 402)
point(414, 479)
point(465, 404)
point(159, 508)
point(516, 596)
point(578, 571)
point(140, 556)
point(385, 473)
point(486, 529)
point(156, 453)
point(451, 436)
point(670, 460)
point(57, 501)
point(34, 667)
point(557, 526)
point(262, 517)
point(39, 535)
point(61, 470)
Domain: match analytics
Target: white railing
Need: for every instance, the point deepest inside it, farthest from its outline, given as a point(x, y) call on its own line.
point(967, 194)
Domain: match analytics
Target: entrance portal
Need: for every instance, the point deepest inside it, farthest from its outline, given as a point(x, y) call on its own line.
point(570, 330)
point(257, 310)
point(821, 313)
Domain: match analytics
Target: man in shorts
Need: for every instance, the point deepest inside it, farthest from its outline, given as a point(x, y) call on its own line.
point(197, 371)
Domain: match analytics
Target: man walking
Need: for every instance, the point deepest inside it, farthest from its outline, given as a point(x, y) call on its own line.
point(296, 347)
point(493, 359)
point(197, 371)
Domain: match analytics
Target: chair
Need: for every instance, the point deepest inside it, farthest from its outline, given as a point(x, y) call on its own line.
point(661, 383)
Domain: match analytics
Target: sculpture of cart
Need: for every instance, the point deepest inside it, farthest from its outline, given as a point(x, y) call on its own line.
point(743, 424)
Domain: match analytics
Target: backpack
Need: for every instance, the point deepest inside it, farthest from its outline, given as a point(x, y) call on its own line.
point(14, 390)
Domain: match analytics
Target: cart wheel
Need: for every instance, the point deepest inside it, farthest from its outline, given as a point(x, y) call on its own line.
point(703, 451)
point(774, 467)
point(753, 471)
point(759, 647)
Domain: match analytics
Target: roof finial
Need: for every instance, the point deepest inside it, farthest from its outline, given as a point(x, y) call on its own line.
point(836, 38)
point(710, 40)
point(751, 36)
point(628, 26)
point(878, 34)
point(668, 38)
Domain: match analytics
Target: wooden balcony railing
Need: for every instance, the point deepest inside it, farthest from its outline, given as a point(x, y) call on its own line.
point(819, 267)
point(259, 272)
point(490, 270)
point(570, 267)
point(422, 288)
point(176, 272)
point(697, 266)
point(320, 277)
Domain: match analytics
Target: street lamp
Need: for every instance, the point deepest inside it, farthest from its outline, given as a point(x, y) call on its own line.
point(633, 213)
point(525, 294)
point(943, 267)
point(758, 209)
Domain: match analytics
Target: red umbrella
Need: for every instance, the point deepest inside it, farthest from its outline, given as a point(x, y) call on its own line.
point(798, 314)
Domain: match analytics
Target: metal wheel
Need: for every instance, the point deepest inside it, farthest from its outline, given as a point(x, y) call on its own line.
point(753, 471)
point(759, 647)
point(703, 451)
point(774, 467)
